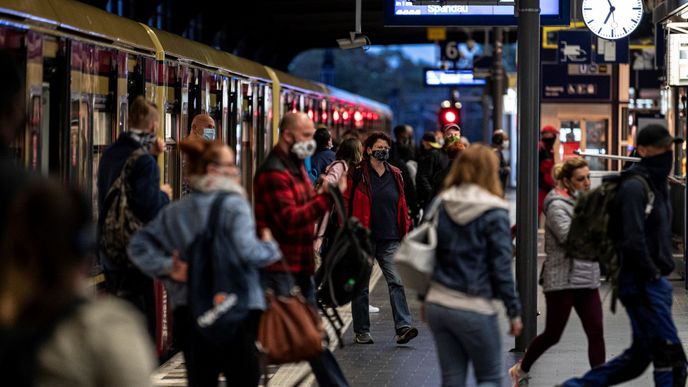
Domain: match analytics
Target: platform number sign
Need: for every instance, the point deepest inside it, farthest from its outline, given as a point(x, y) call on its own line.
point(450, 51)
point(612, 19)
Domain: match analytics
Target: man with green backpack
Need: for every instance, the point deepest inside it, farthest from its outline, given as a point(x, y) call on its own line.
point(635, 211)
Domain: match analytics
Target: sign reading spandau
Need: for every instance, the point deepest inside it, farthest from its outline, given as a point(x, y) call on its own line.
point(468, 12)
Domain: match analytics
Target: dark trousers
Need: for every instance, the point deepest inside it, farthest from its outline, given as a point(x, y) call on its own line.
point(325, 367)
point(588, 306)
point(237, 358)
point(655, 339)
point(137, 288)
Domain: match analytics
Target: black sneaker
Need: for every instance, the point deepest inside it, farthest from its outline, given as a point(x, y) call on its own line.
point(405, 334)
point(363, 338)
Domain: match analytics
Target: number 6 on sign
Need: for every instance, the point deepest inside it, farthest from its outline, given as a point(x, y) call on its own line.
point(450, 51)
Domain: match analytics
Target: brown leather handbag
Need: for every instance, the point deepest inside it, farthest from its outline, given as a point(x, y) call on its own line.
point(290, 329)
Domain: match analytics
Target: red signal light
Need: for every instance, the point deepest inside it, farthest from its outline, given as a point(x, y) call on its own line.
point(358, 116)
point(450, 117)
point(345, 115)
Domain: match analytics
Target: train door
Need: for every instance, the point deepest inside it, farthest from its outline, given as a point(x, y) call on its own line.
point(172, 118)
point(264, 122)
point(248, 135)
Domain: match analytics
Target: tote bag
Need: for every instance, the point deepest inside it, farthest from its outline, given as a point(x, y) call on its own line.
point(415, 258)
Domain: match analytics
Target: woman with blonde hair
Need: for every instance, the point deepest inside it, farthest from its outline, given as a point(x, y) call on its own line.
point(473, 266)
point(567, 283)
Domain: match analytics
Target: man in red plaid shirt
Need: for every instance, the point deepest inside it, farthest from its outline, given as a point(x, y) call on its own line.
point(286, 203)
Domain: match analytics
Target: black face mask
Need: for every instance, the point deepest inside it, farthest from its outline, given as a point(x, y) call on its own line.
point(549, 141)
point(381, 154)
point(660, 164)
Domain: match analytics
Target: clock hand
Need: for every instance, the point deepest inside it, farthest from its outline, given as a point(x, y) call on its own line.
point(611, 11)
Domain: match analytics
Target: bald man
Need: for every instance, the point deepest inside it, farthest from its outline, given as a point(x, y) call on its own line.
point(203, 126)
point(286, 203)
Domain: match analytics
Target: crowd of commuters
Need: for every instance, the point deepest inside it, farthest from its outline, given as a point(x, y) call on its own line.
point(70, 339)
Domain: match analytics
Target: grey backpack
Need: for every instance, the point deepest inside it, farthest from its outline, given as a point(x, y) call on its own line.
point(118, 222)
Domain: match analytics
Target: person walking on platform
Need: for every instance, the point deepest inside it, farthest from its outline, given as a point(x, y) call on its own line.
point(51, 334)
point(376, 192)
point(429, 164)
point(500, 144)
point(646, 260)
point(156, 250)
point(473, 266)
point(138, 148)
point(324, 155)
point(567, 283)
point(286, 203)
point(548, 136)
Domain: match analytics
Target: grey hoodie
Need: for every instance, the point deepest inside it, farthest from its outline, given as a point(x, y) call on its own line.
point(558, 271)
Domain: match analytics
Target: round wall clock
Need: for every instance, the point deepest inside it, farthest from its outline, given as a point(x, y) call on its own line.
point(612, 19)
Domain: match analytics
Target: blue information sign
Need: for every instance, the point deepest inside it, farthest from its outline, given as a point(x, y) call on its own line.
point(404, 13)
point(575, 47)
point(576, 83)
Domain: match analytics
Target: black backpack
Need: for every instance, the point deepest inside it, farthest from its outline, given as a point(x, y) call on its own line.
point(217, 286)
point(593, 235)
point(346, 266)
point(118, 222)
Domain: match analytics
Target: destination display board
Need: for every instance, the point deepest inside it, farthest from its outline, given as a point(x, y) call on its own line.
point(439, 77)
point(405, 13)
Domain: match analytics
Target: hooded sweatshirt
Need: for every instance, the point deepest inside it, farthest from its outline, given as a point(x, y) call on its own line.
point(474, 253)
point(178, 225)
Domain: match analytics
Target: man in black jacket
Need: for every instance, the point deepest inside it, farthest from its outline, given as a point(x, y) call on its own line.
point(147, 198)
point(430, 163)
point(646, 260)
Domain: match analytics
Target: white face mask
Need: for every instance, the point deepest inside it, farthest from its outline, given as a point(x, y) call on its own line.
point(209, 134)
point(505, 144)
point(304, 149)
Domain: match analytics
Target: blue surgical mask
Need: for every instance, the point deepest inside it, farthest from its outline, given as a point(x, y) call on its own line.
point(209, 134)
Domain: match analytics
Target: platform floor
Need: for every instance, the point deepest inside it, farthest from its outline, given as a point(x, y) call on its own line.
point(386, 364)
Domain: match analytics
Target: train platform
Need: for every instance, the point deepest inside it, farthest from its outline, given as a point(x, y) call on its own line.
point(385, 363)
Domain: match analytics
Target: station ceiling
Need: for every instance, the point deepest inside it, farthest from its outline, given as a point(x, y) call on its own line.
point(273, 32)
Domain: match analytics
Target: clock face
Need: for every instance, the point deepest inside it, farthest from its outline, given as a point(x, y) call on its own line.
point(612, 19)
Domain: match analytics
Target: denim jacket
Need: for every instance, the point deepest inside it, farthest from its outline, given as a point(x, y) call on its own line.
point(474, 250)
point(178, 224)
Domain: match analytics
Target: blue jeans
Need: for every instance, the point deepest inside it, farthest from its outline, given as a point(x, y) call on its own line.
point(325, 367)
point(462, 336)
point(654, 339)
point(384, 251)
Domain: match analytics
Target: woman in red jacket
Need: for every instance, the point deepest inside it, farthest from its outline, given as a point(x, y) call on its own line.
point(378, 202)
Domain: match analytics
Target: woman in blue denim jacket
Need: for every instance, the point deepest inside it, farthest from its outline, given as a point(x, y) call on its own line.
point(156, 251)
point(473, 266)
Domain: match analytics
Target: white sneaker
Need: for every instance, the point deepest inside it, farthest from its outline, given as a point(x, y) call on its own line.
point(519, 378)
point(373, 309)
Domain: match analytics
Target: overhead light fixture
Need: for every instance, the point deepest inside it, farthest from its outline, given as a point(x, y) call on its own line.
point(356, 38)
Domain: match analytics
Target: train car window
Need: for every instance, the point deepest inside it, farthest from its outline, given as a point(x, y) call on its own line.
point(248, 141)
point(172, 157)
point(261, 132)
point(224, 106)
point(234, 118)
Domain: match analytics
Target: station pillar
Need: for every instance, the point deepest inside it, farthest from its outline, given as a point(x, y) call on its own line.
point(526, 197)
